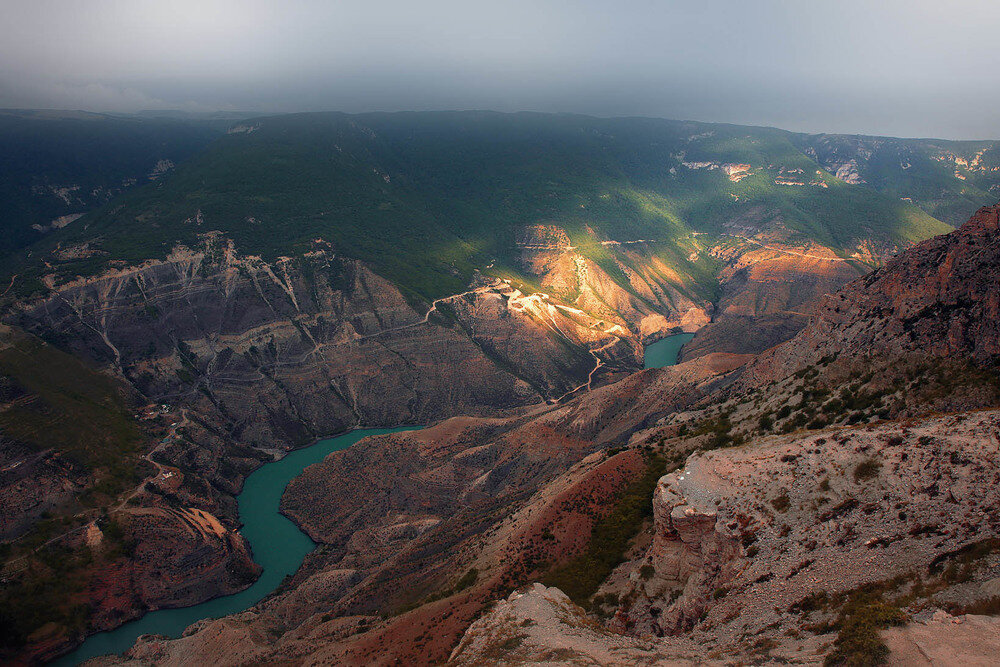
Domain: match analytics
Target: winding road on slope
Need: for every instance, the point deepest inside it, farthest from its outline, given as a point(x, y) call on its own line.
point(14, 565)
point(788, 252)
point(590, 377)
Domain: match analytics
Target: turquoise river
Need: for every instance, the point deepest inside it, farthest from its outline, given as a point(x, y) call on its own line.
point(664, 352)
point(277, 543)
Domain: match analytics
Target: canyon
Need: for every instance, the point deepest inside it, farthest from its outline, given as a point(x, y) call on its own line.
point(764, 550)
point(211, 345)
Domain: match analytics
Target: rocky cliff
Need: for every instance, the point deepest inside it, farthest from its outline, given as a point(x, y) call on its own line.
point(307, 334)
point(937, 299)
point(245, 358)
point(813, 499)
point(326, 344)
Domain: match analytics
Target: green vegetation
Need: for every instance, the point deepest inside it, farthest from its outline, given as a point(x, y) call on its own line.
point(56, 163)
point(468, 579)
point(918, 386)
point(858, 642)
point(51, 590)
point(720, 429)
point(921, 170)
point(863, 614)
point(427, 198)
point(984, 607)
point(766, 423)
point(56, 402)
point(59, 403)
point(867, 469)
point(582, 576)
point(959, 566)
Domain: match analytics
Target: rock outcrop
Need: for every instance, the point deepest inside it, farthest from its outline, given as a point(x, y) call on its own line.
point(939, 298)
point(541, 625)
point(742, 536)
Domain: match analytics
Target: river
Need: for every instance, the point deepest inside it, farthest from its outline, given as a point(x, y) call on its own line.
point(278, 545)
point(664, 351)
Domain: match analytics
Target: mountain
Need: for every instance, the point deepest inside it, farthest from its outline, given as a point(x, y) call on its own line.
point(428, 198)
point(56, 166)
point(307, 274)
point(639, 223)
point(833, 499)
point(948, 179)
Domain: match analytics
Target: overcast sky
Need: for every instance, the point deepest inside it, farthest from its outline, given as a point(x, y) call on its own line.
point(897, 67)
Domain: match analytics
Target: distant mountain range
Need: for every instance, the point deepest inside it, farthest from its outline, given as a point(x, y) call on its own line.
point(57, 165)
point(428, 198)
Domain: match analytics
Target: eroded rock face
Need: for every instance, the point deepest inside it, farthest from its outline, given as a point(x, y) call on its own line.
point(724, 567)
point(323, 343)
point(771, 281)
point(742, 536)
point(940, 298)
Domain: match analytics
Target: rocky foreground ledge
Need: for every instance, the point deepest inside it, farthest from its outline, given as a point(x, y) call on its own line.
point(750, 547)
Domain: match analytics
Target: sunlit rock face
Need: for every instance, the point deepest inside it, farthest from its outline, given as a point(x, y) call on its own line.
point(327, 344)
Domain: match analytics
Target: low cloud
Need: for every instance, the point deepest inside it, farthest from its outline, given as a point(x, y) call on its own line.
point(93, 96)
point(899, 67)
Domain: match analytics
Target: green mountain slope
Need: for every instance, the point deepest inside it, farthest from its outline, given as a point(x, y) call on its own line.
point(49, 399)
point(65, 163)
point(948, 179)
point(427, 198)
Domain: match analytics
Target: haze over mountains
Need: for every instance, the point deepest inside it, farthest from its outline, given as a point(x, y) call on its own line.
point(910, 68)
